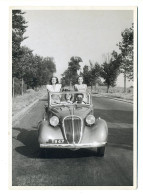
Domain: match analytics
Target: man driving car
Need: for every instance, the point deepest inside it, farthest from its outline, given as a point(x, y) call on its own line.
point(79, 99)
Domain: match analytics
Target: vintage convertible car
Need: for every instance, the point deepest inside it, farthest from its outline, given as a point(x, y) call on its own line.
point(70, 123)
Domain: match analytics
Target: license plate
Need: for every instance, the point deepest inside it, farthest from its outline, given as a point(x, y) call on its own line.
point(58, 141)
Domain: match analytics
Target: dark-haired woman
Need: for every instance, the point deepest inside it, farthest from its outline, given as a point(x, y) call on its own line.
point(81, 87)
point(55, 86)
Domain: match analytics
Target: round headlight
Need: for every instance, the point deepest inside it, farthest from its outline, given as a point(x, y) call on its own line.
point(54, 121)
point(90, 120)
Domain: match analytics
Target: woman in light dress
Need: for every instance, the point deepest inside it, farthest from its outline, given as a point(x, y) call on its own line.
point(54, 87)
point(81, 87)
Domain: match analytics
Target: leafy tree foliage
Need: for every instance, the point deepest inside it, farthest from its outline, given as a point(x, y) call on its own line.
point(18, 29)
point(110, 70)
point(86, 75)
point(36, 70)
point(33, 69)
point(126, 48)
point(45, 70)
point(69, 77)
point(91, 74)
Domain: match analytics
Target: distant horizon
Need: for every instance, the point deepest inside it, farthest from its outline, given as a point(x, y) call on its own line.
point(87, 34)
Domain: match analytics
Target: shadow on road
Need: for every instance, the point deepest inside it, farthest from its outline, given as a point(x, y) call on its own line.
point(32, 150)
point(115, 116)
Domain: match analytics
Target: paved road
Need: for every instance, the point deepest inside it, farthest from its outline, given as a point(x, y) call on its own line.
point(63, 167)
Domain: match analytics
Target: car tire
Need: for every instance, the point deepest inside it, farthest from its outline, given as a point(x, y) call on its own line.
point(100, 151)
point(42, 152)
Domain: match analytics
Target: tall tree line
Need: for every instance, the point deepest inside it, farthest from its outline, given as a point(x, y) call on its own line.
point(35, 70)
point(113, 65)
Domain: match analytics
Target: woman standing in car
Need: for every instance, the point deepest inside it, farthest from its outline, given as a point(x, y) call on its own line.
point(54, 85)
point(80, 86)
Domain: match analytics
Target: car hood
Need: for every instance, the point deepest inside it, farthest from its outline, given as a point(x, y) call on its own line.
point(62, 112)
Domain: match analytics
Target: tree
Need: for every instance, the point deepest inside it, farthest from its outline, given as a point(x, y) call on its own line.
point(94, 74)
point(39, 71)
point(18, 29)
point(86, 75)
point(46, 70)
point(70, 75)
point(33, 69)
point(126, 48)
point(91, 74)
point(110, 70)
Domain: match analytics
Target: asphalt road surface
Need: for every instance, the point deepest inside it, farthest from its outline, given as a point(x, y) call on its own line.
point(63, 167)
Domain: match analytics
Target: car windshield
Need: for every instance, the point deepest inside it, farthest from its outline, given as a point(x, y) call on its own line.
point(69, 98)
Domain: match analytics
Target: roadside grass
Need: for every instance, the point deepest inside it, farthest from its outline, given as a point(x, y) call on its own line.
point(116, 92)
point(125, 96)
point(20, 102)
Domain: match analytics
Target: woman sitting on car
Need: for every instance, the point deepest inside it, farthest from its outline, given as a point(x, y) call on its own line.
point(81, 87)
point(54, 85)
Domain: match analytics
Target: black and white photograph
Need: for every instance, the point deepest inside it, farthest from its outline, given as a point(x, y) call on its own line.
point(74, 97)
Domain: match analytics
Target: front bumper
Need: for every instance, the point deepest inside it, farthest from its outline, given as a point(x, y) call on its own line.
point(74, 146)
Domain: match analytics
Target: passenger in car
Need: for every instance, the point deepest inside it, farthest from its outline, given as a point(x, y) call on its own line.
point(79, 99)
point(69, 98)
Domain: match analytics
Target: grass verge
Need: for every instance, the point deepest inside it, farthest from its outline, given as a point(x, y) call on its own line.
point(21, 102)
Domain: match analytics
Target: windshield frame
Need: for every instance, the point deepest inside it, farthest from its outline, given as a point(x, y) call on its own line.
point(66, 104)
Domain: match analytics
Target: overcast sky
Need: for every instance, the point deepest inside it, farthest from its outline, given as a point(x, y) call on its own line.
point(88, 34)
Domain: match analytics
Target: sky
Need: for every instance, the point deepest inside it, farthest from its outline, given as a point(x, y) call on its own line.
point(89, 34)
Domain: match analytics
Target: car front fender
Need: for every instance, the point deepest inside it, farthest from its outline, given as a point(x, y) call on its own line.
point(47, 132)
point(96, 133)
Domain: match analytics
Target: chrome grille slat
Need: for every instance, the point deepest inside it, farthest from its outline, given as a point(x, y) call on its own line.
point(77, 128)
point(72, 128)
point(69, 130)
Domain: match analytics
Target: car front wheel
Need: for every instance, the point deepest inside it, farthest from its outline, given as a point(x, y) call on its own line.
point(100, 151)
point(42, 152)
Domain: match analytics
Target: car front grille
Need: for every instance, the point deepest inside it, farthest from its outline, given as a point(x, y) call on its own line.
point(72, 129)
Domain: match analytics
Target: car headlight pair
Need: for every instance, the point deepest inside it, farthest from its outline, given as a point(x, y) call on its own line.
point(90, 120)
point(54, 121)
